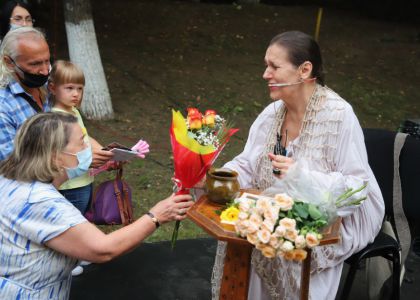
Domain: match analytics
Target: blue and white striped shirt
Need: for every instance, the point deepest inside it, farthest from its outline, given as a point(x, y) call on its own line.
point(30, 215)
point(15, 108)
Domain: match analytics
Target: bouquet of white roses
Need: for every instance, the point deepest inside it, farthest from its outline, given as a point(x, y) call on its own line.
point(279, 226)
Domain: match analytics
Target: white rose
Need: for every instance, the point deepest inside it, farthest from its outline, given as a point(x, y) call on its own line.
point(255, 218)
point(260, 246)
point(291, 235)
point(280, 231)
point(285, 202)
point(286, 246)
point(272, 213)
point(252, 238)
point(242, 215)
point(268, 252)
point(241, 227)
point(300, 242)
point(264, 236)
point(253, 227)
point(289, 224)
point(268, 224)
point(244, 206)
point(262, 205)
point(275, 242)
point(242, 232)
point(289, 255)
point(244, 223)
point(299, 254)
point(312, 240)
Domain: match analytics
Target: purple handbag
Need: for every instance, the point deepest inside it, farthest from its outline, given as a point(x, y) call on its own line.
point(111, 203)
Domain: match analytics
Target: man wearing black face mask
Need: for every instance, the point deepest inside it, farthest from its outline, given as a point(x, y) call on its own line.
point(24, 70)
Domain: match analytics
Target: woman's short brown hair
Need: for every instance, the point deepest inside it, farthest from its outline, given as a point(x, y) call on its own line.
point(37, 143)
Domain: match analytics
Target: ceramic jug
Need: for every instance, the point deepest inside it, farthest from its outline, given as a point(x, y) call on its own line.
point(222, 185)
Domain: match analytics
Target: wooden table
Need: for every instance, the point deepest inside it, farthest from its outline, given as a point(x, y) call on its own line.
point(236, 271)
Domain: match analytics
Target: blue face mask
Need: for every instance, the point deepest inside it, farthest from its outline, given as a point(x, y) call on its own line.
point(85, 159)
point(15, 26)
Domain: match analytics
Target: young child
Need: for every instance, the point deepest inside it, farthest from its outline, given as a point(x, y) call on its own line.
point(66, 86)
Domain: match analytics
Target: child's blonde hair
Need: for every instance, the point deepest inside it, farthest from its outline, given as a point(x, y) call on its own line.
point(64, 72)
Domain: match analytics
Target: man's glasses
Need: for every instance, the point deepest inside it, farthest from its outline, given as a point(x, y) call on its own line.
point(20, 20)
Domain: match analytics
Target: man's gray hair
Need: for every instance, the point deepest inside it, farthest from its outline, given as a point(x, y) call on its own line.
point(9, 47)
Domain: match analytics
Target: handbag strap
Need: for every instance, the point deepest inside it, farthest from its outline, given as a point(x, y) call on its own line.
point(124, 205)
point(128, 209)
point(117, 193)
point(401, 223)
point(119, 173)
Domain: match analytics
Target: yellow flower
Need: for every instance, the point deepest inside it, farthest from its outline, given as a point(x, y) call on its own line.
point(209, 118)
point(195, 121)
point(230, 215)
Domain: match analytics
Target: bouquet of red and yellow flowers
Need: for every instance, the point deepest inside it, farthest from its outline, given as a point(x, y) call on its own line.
point(196, 143)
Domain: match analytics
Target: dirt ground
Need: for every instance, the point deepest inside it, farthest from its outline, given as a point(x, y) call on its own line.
point(161, 54)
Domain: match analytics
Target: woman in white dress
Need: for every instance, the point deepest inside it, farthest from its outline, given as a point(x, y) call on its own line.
point(323, 130)
point(42, 235)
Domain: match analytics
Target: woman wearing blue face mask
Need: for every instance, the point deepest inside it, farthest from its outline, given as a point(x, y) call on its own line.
point(42, 235)
point(15, 14)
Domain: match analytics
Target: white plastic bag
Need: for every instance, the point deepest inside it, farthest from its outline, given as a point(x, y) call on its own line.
point(318, 188)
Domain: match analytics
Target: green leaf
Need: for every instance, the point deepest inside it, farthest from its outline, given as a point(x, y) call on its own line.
point(320, 222)
point(300, 210)
point(314, 212)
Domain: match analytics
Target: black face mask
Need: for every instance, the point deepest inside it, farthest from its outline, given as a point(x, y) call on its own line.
point(31, 80)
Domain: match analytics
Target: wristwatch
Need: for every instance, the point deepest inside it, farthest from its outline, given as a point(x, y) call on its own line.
point(154, 219)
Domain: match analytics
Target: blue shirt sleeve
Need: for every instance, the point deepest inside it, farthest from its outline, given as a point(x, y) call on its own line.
point(7, 135)
point(45, 216)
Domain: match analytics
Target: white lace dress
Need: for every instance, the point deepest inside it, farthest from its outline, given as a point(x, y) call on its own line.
point(331, 141)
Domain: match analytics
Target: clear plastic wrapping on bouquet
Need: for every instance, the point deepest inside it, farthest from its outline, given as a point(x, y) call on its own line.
point(302, 185)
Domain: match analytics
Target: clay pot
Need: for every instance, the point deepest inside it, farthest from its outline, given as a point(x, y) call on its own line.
point(222, 185)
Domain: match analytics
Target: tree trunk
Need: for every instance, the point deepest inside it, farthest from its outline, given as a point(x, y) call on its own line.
point(83, 51)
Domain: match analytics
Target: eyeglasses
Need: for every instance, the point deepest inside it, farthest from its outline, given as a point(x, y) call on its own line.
point(20, 20)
